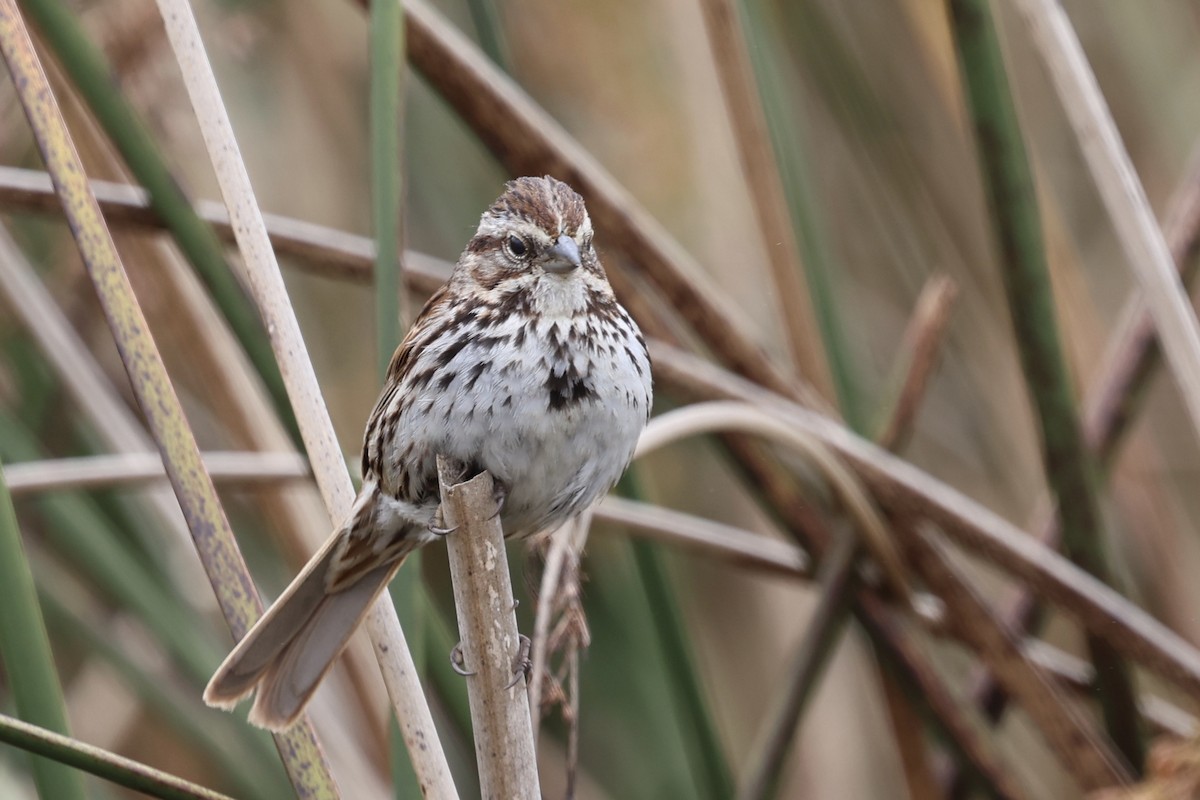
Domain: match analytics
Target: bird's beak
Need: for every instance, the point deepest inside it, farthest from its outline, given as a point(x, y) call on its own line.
point(563, 256)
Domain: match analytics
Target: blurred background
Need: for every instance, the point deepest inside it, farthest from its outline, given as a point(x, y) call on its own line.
point(879, 168)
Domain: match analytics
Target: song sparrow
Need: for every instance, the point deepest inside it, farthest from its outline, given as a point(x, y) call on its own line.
point(525, 365)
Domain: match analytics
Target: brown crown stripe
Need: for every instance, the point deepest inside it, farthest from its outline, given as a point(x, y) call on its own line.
point(535, 200)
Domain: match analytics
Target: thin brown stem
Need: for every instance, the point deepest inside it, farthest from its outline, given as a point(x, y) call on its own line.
point(688, 532)
point(1083, 751)
point(1079, 676)
point(136, 468)
point(325, 251)
point(924, 335)
point(836, 578)
point(1110, 407)
point(911, 495)
point(894, 641)
point(739, 89)
point(528, 141)
point(919, 351)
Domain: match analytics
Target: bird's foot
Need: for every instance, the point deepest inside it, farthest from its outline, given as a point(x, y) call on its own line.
point(438, 526)
point(457, 662)
point(499, 495)
point(522, 664)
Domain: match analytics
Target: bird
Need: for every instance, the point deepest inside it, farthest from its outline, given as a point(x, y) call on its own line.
point(523, 364)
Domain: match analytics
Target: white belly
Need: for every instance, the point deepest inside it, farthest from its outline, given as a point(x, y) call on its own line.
point(553, 414)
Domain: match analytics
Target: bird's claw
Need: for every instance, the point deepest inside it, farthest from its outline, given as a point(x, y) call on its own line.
point(438, 527)
point(522, 664)
point(457, 663)
point(499, 495)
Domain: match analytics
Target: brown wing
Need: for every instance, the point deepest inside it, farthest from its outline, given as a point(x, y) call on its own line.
point(402, 361)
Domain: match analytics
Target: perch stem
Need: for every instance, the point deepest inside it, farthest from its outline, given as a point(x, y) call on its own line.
point(487, 622)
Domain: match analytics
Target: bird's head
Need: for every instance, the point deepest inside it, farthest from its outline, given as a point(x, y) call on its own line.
point(537, 238)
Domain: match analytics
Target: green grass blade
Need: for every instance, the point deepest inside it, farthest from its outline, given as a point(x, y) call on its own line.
point(25, 652)
point(823, 632)
point(387, 67)
point(1012, 203)
point(218, 738)
point(78, 530)
point(820, 265)
point(691, 703)
point(486, 18)
point(387, 32)
point(123, 771)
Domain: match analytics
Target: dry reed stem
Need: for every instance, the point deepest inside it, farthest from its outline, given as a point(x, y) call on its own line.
point(909, 664)
point(835, 577)
point(739, 88)
point(917, 359)
point(1134, 349)
point(1122, 193)
point(686, 531)
point(527, 140)
point(558, 591)
point(325, 251)
point(911, 495)
point(136, 468)
point(222, 375)
point(295, 513)
point(919, 352)
point(731, 417)
point(320, 250)
point(261, 269)
point(1079, 676)
point(975, 617)
point(270, 294)
point(920, 349)
point(895, 641)
point(197, 497)
point(487, 623)
point(67, 354)
point(909, 737)
point(689, 532)
point(1085, 753)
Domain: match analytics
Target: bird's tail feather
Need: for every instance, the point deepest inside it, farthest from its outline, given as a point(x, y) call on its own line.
point(289, 650)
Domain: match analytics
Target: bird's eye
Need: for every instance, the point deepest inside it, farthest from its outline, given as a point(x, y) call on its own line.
point(517, 247)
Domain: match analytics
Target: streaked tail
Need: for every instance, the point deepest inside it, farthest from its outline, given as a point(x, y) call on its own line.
point(291, 648)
